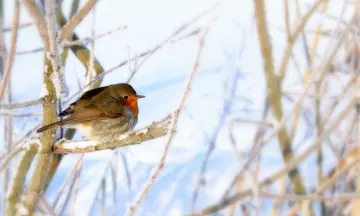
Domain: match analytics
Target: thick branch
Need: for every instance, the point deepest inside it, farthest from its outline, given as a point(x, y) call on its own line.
point(76, 19)
point(19, 177)
point(50, 22)
point(155, 130)
point(38, 19)
point(274, 89)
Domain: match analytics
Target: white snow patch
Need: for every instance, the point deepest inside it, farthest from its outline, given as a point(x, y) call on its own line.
point(44, 92)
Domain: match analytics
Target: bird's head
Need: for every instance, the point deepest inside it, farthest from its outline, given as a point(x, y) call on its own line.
point(128, 96)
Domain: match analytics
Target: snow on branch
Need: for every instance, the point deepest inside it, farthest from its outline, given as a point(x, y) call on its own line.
point(153, 131)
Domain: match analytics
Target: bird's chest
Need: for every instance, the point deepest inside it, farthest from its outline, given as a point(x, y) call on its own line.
point(107, 129)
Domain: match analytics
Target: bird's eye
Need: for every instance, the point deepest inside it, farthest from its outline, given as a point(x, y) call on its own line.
point(125, 97)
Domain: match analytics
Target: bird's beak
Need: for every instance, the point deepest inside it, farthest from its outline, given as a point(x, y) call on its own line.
point(140, 96)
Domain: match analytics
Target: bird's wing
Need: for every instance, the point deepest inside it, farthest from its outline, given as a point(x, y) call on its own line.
point(84, 101)
point(106, 110)
point(80, 116)
point(110, 107)
point(92, 93)
point(95, 112)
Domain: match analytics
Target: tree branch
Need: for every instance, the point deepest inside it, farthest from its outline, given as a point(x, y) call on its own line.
point(50, 23)
point(19, 176)
point(153, 131)
point(274, 91)
point(10, 59)
point(38, 19)
point(285, 170)
point(76, 19)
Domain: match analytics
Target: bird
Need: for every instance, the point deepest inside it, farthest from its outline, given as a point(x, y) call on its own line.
point(101, 114)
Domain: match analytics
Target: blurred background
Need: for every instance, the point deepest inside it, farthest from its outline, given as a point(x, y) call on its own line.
point(270, 125)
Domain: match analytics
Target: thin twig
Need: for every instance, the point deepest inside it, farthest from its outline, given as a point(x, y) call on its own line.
point(288, 51)
point(19, 115)
point(22, 104)
point(93, 38)
point(10, 58)
point(76, 187)
point(127, 171)
point(67, 180)
point(311, 197)
point(68, 195)
point(80, 42)
point(98, 190)
point(174, 34)
point(9, 157)
point(113, 170)
point(47, 206)
point(21, 26)
point(227, 105)
point(29, 51)
point(285, 170)
point(160, 166)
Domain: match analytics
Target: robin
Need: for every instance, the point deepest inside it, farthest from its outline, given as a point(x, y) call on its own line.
point(103, 113)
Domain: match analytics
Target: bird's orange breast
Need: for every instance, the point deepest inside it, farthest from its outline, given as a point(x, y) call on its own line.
point(131, 102)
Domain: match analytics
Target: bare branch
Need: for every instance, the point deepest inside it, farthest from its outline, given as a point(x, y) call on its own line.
point(155, 130)
point(53, 52)
point(38, 19)
point(19, 115)
point(155, 172)
point(92, 38)
point(22, 104)
point(174, 34)
point(274, 87)
point(24, 25)
point(19, 177)
point(304, 20)
point(67, 180)
point(9, 157)
point(289, 166)
point(10, 59)
point(76, 19)
point(35, 188)
point(311, 197)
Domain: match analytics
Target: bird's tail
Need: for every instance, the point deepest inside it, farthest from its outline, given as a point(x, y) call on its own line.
point(46, 127)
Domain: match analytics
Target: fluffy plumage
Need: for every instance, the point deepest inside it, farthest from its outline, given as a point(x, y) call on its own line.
point(102, 113)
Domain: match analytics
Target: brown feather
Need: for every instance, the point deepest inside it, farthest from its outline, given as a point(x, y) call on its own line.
point(102, 103)
point(86, 97)
point(47, 127)
point(85, 115)
point(66, 112)
point(91, 93)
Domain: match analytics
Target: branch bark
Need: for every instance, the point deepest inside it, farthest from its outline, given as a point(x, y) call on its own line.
point(47, 138)
point(274, 89)
point(10, 58)
point(19, 177)
point(153, 131)
point(38, 19)
point(76, 19)
point(49, 116)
